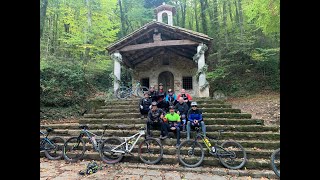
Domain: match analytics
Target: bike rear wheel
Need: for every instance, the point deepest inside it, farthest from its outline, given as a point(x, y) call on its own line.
point(275, 162)
point(74, 149)
point(141, 90)
point(150, 151)
point(122, 92)
point(233, 156)
point(106, 154)
point(190, 153)
point(54, 151)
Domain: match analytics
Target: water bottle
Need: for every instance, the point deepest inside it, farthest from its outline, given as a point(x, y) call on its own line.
point(93, 138)
point(207, 142)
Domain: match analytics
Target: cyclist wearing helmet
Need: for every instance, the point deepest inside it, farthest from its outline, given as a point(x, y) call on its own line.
point(155, 119)
point(153, 94)
point(195, 119)
point(171, 98)
point(173, 123)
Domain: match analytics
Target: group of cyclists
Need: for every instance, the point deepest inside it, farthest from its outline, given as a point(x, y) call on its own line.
point(167, 112)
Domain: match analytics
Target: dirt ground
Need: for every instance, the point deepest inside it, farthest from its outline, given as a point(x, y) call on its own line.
point(264, 106)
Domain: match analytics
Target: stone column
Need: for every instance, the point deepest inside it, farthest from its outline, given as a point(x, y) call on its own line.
point(117, 59)
point(203, 91)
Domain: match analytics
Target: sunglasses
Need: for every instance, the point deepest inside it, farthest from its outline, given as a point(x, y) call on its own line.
point(193, 106)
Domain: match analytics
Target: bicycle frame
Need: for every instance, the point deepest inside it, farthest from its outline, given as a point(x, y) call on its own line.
point(216, 145)
point(46, 140)
point(89, 135)
point(126, 139)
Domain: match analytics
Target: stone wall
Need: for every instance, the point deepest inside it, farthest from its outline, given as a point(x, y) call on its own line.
point(178, 66)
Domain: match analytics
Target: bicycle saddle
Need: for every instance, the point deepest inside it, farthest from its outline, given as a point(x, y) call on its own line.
point(83, 127)
point(49, 129)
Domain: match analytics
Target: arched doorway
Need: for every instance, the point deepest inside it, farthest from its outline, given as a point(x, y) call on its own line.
point(166, 78)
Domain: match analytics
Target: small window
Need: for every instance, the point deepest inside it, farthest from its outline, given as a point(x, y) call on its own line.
point(187, 83)
point(145, 82)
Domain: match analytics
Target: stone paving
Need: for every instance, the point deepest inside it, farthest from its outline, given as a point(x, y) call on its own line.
point(61, 170)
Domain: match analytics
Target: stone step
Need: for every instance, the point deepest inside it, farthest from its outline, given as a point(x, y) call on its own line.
point(173, 159)
point(136, 110)
point(135, 105)
point(225, 135)
point(200, 101)
point(208, 121)
point(240, 128)
point(255, 144)
point(138, 115)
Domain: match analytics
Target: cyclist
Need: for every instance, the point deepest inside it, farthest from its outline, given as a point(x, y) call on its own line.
point(161, 94)
point(186, 97)
point(173, 123)
point(171, 98)
point(155, 119)
point(182, 109)
point(195, 119)
point(145, 104)
point(153, 94)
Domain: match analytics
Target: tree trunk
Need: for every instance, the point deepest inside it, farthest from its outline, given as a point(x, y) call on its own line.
point(183, 13)
point(224, 12)
point(230, 12)
point(203, 17)
point(196, 15)
point(88, 40)
point(215, 17)
point(122, 19)
point(240, 17)
point(43, 10)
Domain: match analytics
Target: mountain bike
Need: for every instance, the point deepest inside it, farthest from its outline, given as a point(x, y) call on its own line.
point(75, 147)
point(52, 147)
point(275, 161)
point(230, 153)
point(150, 150)
point(125, 92)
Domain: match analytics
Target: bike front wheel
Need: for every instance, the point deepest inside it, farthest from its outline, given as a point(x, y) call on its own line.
point(54, 151)
point(122, 92)
point(141, 90)
point(190, 153)
point(150, 151)
point(74, 149)
point(275, 162)
point(107, 155)
point(232, 156)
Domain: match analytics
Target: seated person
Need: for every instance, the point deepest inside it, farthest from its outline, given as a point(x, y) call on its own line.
point(195, 119)
point(155, 119)
point(153, 94)
point(186, 97)
point(161, 94)
point(145, 104)
point(182, 109)
point(171, 98)
point(173, 123)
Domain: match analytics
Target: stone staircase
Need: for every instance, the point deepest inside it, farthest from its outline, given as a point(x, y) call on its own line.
point(123, 119)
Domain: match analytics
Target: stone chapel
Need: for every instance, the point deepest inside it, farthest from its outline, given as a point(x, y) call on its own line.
point(160, 52)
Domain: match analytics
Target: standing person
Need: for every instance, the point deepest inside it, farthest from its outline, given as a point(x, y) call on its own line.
point(186, 97)
point(155, 119)
point(182, 109)
point(171, 98)
point(173, 123)
point(195, 119)
point(145, 104)
point(153, 94)
point(161, 94)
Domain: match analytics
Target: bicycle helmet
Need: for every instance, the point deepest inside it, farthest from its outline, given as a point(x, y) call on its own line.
point(171, 107)
point(160, 84)
point(194, 103)
point(154, 103)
